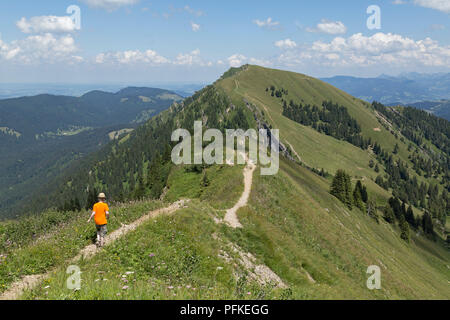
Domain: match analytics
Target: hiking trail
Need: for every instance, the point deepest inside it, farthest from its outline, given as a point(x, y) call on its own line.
point(231, 216)
point(31, 281)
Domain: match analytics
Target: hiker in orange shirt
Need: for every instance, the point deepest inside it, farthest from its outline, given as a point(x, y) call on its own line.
point(100, 213)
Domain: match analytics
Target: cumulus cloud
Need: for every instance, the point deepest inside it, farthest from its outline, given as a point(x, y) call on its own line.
point(189, 59)
point(268, 23)
point(381, 49)
point(151, 58)
point(329, 27)
point(148, 57)
point(40, 48)
point(44, 24)
point(237, 60)
point(109, 4)
point(285, 44)
point(441, 5)
point(195, 27)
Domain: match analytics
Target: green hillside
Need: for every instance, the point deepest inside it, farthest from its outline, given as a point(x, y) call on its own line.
point(307, 242)
point(40, 136)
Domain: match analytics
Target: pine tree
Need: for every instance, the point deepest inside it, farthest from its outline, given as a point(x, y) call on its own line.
point(389, 214)
point(341, 188)
point(410, 216)
point(357, 196)
point(396, 148)
point(404, 227)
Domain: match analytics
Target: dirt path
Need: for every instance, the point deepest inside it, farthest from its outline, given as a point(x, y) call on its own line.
point(295, 152)
point(230, 216)
point(29, 282)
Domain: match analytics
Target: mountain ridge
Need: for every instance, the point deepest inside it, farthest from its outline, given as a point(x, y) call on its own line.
point(292, 224)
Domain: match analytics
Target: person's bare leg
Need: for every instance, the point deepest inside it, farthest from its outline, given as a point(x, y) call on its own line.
point(98, 242)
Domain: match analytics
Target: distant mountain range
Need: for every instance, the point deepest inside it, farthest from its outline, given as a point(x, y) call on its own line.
point(16, 90)
point(425, 91)
point(41, 135)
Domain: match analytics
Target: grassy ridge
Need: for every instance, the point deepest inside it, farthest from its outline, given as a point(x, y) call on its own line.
point(37, 244)
point(291, 224)
point(315, 149)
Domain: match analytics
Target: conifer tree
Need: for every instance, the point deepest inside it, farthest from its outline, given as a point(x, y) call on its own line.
point(341, 188)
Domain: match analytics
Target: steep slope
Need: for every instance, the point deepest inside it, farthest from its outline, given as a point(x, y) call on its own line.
point(292, 225)
point(316, 245)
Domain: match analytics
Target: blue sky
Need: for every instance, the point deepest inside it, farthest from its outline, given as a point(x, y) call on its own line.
point(142, 41)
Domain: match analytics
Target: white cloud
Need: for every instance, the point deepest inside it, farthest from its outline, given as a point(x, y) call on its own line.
point(40, 48)
point(268, 23)
point(399, 2)
point(195, 27)
point(381, 49)
point(151, 58)
point(285, 44)
point(109, 4)
point(189, 59)
point(441, 5)
point(46, 24)
point(237, 60)
point(148, 57)
point(329, 27)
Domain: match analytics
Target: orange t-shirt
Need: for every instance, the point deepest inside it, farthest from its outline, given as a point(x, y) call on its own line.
point(100, 209)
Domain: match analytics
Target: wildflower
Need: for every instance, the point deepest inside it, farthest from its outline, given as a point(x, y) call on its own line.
point(46, 287)
point(151, 255)
point(129, 272)
point(249, 293)
point(219, 268)
point(125, 287)
point(170, 287)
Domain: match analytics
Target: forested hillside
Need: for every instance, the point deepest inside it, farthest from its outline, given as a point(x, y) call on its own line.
point(42, 135)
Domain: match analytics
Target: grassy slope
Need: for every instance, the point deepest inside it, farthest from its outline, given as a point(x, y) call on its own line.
point(286, 226)
point(315, 149)
point(292, 224)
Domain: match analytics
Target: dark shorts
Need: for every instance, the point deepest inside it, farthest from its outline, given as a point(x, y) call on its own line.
point(102, 230)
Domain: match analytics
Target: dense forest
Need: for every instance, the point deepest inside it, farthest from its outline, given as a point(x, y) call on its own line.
point(137, 165)
point(41, 136)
